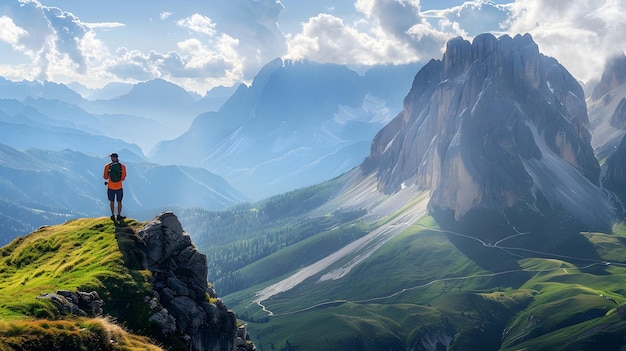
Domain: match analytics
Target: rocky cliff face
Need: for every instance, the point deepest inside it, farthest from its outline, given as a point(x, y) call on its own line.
point(613, 76)
point(614, 177)
point(499, 133)
point(185, 306)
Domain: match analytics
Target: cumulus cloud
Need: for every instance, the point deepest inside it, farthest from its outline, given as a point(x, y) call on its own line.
point(198, 23)
point(389, 31)
point(9, 32)
point(580, 34)
point(54, 40)
point(222, 43)
point(325, 38)
point(104, 25)
point(470, 19)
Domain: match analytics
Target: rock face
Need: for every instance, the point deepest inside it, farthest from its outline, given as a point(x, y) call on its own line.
point(191, 309)
point(613, 76)
point(614, 177)
point(500, 134)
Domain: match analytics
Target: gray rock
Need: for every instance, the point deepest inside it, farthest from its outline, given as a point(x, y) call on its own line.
point(499, 134)
point(77, 303)
point(180, 284)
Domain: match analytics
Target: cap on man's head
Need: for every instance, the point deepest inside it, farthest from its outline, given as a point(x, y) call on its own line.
point(113, 155)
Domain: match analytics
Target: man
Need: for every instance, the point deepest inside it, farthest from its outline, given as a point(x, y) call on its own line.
point(114, 174)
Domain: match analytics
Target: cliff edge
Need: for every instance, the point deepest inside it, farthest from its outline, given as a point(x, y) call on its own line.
point(92, 284)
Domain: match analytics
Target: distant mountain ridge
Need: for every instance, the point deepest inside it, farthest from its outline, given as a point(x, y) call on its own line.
point(297, 124)
point(42, 187)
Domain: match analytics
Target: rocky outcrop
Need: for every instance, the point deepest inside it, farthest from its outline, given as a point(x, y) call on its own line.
point(618, 118)
point(613, 76)
point(614, 177)
point(77, 303)
point(185, 305)
point(500, 134)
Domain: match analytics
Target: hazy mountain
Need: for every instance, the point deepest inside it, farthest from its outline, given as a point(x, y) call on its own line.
point(42, 187)
point(47, 90)
point(607, 107)
point(110, 91)
point(469, 226)
point(298, 123)
point(213, 100)
point(56, 125)
point(158, 100)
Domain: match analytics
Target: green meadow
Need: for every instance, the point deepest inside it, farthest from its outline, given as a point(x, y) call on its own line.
point(81, 255)
point(428, 287)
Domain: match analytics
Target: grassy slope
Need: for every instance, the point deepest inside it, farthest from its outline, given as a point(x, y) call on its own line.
point(421, 284)
point(85, 255)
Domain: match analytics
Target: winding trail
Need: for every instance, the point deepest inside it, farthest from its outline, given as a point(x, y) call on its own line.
point(506, 249)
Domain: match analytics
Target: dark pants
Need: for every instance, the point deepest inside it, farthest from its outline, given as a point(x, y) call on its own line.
point(112, 194)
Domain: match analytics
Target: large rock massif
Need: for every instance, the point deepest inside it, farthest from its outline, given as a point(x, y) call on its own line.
point(496, 131)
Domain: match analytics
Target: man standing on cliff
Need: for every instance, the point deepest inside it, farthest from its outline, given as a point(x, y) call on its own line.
point(114, 174)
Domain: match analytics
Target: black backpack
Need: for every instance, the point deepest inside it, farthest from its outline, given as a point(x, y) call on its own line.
point(115, 172)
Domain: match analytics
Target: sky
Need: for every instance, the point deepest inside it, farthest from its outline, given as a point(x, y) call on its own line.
point(200, 44)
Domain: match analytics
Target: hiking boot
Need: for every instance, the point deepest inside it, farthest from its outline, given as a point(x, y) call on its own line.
point(119, 217)
point(112, 217)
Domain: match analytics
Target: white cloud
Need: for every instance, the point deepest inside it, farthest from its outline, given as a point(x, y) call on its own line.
point(327, 39)
point(390, 31)
point(104, 25)
point(469, 19)
point(199, 24)
point(580, 34)
point(241, 36)
point(9, 32)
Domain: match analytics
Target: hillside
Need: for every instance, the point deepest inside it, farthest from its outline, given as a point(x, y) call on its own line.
point(479, 221)
point(91, 285)
point(331, 282)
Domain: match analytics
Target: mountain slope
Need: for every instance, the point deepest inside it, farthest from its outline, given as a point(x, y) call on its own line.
point(72, 286)
point(420, 286)
point(495, 139)
point(297, 124)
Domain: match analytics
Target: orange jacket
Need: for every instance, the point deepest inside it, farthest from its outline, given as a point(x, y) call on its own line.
point(114, 185)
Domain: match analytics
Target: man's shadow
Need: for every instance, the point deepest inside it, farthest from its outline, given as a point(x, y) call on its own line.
point(133, 249)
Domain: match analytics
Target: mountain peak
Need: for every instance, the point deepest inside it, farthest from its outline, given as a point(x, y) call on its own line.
point(613, 76)
point(494, 129)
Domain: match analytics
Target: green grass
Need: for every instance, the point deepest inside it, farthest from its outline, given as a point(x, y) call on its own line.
point(81, 334)
point(427, 283)
point(81, 255)
point(352, 327)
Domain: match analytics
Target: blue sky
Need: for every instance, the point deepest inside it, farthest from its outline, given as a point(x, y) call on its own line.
point(202, 44)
